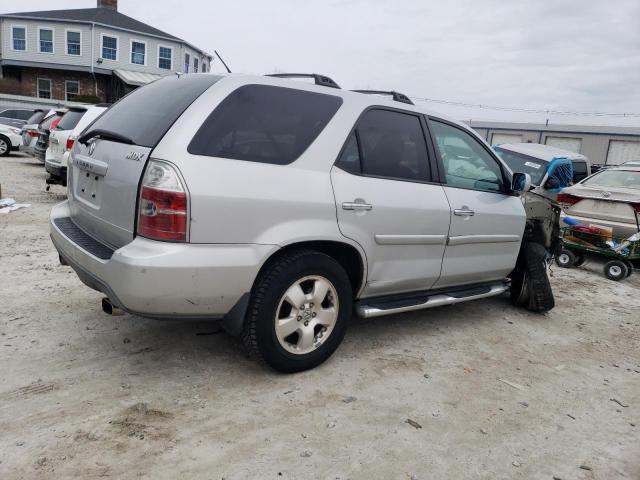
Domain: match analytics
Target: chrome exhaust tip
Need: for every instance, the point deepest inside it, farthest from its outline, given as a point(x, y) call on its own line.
point(110, 309)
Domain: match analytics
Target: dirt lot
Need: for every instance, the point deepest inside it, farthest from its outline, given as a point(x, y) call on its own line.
point(478, 390)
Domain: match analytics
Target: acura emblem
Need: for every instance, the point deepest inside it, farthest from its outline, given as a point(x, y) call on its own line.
point(92, 147)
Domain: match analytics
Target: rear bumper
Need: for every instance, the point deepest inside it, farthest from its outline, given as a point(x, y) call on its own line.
point(164, 280)
point(57, 171)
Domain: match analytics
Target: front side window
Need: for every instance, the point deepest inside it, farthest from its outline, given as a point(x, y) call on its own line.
point(195, 65)
point(73, 43)
point(187, 61)
point(46, 40)
point(109, 48)
point(164, 58)
point(138, 52)
point(72, 89)
point(19, 38)
point(44, 88)
point(387, 144)
point(262, 123)
point(466, 162)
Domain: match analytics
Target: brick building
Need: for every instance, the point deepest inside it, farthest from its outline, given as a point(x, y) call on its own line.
point(61, 54)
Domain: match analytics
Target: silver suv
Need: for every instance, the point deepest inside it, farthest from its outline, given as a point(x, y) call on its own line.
point(280, 206)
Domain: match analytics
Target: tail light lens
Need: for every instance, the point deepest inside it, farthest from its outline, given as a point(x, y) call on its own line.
point(163, 212)
point(565, 200)
point(33, 133)
point(70, 142)
point(55, 123)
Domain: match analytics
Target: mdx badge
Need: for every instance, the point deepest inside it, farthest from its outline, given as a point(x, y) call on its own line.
point(135, 156)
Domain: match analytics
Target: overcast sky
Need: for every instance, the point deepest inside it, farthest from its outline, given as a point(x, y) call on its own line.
point(575, 55)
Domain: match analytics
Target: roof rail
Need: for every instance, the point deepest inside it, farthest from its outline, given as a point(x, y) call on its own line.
point(319, 79)
point(397, 96)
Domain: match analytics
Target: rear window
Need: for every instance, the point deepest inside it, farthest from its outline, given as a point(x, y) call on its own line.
point(579, 171)
point(145, 115)
point(615, 178)
point(35, 118)
point(70, 119)
point(263, 123)
point(519, 163)
point(46, 123)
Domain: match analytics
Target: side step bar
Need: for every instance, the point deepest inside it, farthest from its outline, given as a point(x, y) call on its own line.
point(369, 308)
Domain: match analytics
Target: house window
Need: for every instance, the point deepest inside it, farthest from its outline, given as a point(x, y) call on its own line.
point(71, 90)
point(138, 51)
point(164, 58)
point(195, 65)
point(46, 40)
point(187, 61)
point(204, 67)
point(44, 88)
point(19, 38)
point(109, 48)
point(73, 43)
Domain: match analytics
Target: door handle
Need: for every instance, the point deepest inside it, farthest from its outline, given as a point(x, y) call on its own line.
point(357, 204)
point(464, 212)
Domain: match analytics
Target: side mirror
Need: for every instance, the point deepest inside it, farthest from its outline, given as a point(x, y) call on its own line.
point(521, 182)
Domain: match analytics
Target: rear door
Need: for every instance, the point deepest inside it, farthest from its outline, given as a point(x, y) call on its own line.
point(109, 157)
point(487, 223)
point(386, 202)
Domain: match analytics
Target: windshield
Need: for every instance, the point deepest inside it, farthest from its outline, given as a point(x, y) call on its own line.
point(70, 119)
point(615, 178)
point(524, 164)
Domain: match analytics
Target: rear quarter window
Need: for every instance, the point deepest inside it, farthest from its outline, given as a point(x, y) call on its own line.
point(70, 119)
point(263, 123)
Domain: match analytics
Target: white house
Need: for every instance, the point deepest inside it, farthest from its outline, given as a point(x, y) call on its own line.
point(60, 54)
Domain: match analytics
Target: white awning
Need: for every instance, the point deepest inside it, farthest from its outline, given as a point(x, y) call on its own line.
point(136, 78)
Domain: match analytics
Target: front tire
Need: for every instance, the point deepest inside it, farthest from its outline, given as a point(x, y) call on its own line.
point(530, 286)
point(299, 311)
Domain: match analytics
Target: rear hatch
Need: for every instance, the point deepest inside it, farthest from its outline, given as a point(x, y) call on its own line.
point(110, 155)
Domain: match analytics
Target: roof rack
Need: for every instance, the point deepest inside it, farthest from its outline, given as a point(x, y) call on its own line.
point(397, 96)
point(319, 79)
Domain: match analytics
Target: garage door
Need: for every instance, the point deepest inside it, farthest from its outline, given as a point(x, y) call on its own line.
point(621, 151)
point(502, 138)
point(565, 143)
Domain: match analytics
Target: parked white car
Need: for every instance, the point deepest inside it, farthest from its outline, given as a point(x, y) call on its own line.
point(10, 139)
point(62, 138)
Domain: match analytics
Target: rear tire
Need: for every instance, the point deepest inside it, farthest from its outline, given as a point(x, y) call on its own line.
point(616, 270)
point(566, 258)
point(317, 327)
point(530, 286)
point(5, 146)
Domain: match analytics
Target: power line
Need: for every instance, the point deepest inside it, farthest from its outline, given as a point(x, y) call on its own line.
point(524, 110)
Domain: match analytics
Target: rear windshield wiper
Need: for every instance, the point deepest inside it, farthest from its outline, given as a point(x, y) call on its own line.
point(105, 135)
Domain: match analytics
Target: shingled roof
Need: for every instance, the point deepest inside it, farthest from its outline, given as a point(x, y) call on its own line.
point(104, 16)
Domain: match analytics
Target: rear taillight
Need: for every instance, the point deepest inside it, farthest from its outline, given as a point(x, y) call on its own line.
point(55, 123)
point(70, 142)
point(163, 212)
point(33, 133)
point(565, 200)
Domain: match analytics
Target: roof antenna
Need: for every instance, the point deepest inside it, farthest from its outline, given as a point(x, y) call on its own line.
point(225, 65)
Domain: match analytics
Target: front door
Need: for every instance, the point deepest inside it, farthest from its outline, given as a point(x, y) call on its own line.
point(386, 203)
point(487, 222)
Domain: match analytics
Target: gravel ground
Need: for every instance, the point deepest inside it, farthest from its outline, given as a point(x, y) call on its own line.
point(477, 390)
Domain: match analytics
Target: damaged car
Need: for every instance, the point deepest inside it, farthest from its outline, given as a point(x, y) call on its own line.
point(281, 207)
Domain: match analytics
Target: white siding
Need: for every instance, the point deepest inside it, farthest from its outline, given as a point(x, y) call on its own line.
point(32, 54)
point(60, 56)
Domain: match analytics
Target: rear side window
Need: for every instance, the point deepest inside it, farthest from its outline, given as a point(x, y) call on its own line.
point(24, 114)
point(145, 115)
point(35, 118)
point(263, 123)
point(579, 171)
point(70, 119)
point(387, 144)
point(46, 123)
